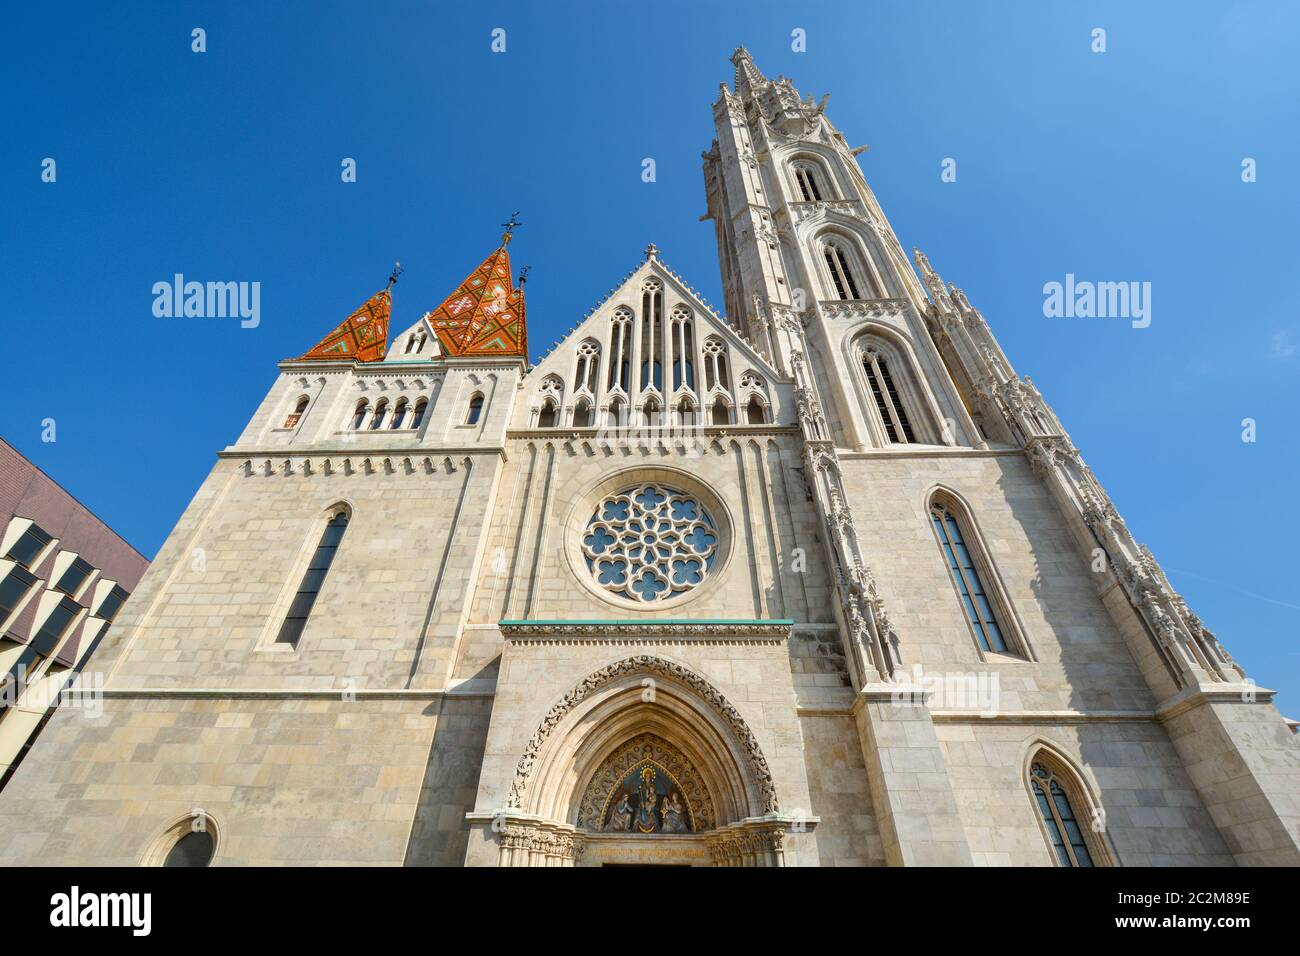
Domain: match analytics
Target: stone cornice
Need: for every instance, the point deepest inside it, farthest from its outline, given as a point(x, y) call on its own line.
point(361, 451)
point(647, 434)
point(929, 451)
point(662, 630)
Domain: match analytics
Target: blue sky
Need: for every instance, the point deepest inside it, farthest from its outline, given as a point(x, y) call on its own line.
point(225, 166)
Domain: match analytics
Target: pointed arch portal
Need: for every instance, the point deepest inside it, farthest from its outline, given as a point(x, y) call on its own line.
point(643, 761)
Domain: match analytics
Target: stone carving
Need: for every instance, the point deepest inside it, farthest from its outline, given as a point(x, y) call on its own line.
point(647, 664)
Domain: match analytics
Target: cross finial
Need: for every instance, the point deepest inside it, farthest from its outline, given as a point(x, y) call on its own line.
point(510, 226)
point(651, 251)
point(397, 271)
point(523, 275)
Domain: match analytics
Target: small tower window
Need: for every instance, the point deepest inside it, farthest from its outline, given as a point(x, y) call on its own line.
point(475, 410)
point(381, 414)
point(582, 415)
point(296, 415)
point(312, 581)
point(359, 416)
point(754, 412)
point(399, 415)
point(546, 417)
point(418, 418)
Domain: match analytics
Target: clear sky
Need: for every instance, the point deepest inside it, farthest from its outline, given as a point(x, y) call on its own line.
point(1116, 166)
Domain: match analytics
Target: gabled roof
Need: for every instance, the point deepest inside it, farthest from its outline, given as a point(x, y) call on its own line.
point(362, 336)
point(485, 315)
point(708, 321)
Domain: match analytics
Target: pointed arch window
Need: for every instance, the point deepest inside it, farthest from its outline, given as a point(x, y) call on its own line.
point(546, 418)
point(617, 413)
point(806, 178)
point(971, 575)
point(381, 414)
point(582, 415)
point(840, 265)
point(686, 412)
point(1059, 798)
point(893, 415)
point(312, 580)
point(410, 344)
point(588, 367)
point(651, 413)
point(715, 365)
point(721, 414)
point(399, 415)
point(683, 349)
point(359, 414)
point(299, 409)
point(417, 419)
point(754, 413)
point(475, 410)
point(652, 306)
point(620, 350)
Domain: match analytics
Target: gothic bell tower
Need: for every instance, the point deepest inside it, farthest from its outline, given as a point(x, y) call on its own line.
point(802, 240)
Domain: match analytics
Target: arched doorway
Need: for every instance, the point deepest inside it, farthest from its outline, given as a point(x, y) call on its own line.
point(643, 763)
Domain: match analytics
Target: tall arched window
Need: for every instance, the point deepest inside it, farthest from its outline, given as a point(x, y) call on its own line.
point(620, 349)
point(1059, 799)
point(312, 580)
point(475, 410)
point(546, 417)
point(617, 413)
point(652, 307)
point(806, 178)
point(754, 411)
point(359, 415)
point(721, 414)
point(420, 408)
point(295, 416)
point(381, 414)
point(969, 568)
point(893, 414)
point(683, 349)
point(410, 344)
point(588, 366)
point(715, 365)
point(839, 262)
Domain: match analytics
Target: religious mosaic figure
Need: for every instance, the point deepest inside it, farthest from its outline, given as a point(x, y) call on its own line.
point(674, 815)
point(620, 818)
point(645, 811)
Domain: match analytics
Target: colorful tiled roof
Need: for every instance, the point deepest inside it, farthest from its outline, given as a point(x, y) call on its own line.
point(363, 335)
point(485, 315)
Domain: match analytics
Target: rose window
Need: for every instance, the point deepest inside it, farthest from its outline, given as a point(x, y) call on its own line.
point(650, 543)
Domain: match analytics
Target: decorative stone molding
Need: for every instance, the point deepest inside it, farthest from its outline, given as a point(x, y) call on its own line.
point(864, 308)
point(704, 631)
point(853, 208)
point(646, 664)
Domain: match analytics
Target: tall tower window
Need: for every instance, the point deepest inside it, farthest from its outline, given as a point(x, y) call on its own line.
point(966, 577)
point(420, 408)
point(381, 413)
point(359, 414)
point(683, 349)
point(312, 580)
point(1052, 789)
point(806, 179)
point(715, 365)
point(885, 394)
point(588, 367)
point(399, 414)
point(840, 267)
point(652, 300)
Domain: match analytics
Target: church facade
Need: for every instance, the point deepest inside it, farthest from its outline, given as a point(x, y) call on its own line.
point(824, 582)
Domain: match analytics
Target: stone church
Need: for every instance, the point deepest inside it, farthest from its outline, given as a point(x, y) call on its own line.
point(822, 581)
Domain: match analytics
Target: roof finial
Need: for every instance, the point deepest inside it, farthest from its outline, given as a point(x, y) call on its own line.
point(523, 275)
point(397, 271)
point(510, 227)
point(651, 251)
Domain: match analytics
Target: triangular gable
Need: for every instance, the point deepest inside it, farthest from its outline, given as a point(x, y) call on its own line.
point(485, 315)
point(707, 322)
point(421, 329)
point(362, 336)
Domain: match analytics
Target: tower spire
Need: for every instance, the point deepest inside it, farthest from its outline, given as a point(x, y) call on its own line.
point(485, 314)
